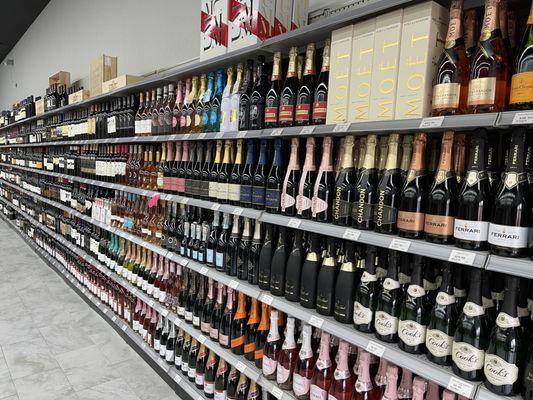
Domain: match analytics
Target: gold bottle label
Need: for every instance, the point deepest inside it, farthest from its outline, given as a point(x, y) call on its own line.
point(439, 225)
point(446, 95)
point(410, 221)
point(522, 88)
point(481, 91)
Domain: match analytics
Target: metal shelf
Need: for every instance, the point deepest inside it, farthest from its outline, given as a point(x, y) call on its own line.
point(485, 394)
point(513, 266)
point(515, 118)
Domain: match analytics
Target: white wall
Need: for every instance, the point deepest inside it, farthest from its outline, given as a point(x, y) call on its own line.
point(69, 34)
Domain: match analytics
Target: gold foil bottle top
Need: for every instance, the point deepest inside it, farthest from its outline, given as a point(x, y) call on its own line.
point(455, 24)
point(326, 55)
point(310, 60)
point(293, 60)
point(370, 153)
point(490, 20)
point(276, 67)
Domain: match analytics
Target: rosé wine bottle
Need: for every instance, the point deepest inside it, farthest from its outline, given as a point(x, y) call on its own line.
point(287, 358)
point(405, 390)
point(364, 389)
point(419, 388)
point(391, 391)
point(305, 363)
point(321, 381)
point(272, 348)
point(343, 381)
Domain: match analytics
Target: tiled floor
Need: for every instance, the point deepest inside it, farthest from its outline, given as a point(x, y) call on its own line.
point(53, 346)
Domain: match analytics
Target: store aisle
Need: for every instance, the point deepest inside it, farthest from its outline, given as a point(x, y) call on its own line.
point(54, 346)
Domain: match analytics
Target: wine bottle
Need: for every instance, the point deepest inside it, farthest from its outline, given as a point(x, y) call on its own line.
point(201, 362)
point(235, 99)
point(245, 95)
point(224, 173)
point(238, 326)
point(391, 387)
point(225, 104)
point(232, 249)
point(207, 310)
point(442, 197)
point(250, 331)
point(489, 69)
point(254, 393)
point(218, 310)
point(323, 372)
point(224, 334)
point(474, 207)
point(199, 303)
point(255, 253)
point(511, 219)
point(420, 386)
point(272, 348)
point(178, 349)
point(259, 177)
point(289, 189)
point(273, 94)
point(210, 374)
point(324, 185)
point(503, 357)
point(287, 358)
point(521, 98)
point(307, 180)
point(345, 286)
point(309, 274)
point(257, 99)
point(274, 277)
point(222, 245)
point(320, 96)
point(215, 102)
point(443, 320)
point(289, 94)
point(305, 364)
point(343, 381)
point(470, 340)
point(247, 176)
point(365, 188)
point(212, 240)
point(414, 317)
point(243, 251)
point(231, 387)
point(234, 185)
point(221, 380)
point(274, 180)
point(193, 355)
point(412, 209)
point(405, 390)
point(293, 269)
point(171, 342)
point(242, 387)
point(214, 171)
point(450, 84)
point(344, 186)
point(304, 99)
point(364, 389)
point(261, 335)
point(366, 294)
point(389, 190)
point(327, 277)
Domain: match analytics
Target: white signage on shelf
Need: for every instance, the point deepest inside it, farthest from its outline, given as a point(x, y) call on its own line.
point(462, 257)
point(307, 130)
point(316, 321)
point(460, 387)
point(294, 223)
point(399, 244)
point(431, 122)
point(341, 127)
point(267, 299)
point(375, 348)
point(351, 234)
point(523, 118)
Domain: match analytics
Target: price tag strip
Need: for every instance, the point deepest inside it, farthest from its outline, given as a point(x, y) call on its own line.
point(267, 299)
point(399, 244)
point(351, 234)
point(294, 223)
point(523, 118)
point(341, 127)
point(375, 348)
point(462, 257)
point(316, 321)
point(460, 387)
point(431, 122)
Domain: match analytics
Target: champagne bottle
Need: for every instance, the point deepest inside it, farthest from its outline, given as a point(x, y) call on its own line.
point(234, 186)
point(214, 171)
point(307, 180)
point(293, 269)
point(254, 393)
point(224, 334)
point(344, 186)
point(310, 273)
point(323, 187)
point(257, 99)
point(207, 310)
point(245, 95)
point(259, 177)
point(210, 374)
point(365, 188)
point(272, 348)
point(224, 173)
point(327, 276)
point(274, 183)
point(218, 310)
point(250, 332)
point(225, 105)
point(304, 99)
point(364, 389)
point(231, 386)
point(273, 94)
point(243, 252)
point(221, 380)
point(323, 372)
point(261, 335)
point(345, 285)
point(289, 93)
point(318, 116)
point(391, 379)
point(222, 245)
point(233, 247)
point(238, 326)
point(247, 176)
point(289, 189)
point(262, 273)
point(235, 99)
point(275, 278)
point(242, 387)
point(255, 253)
point(343, 380)
point(366, 294)
point(287, 358)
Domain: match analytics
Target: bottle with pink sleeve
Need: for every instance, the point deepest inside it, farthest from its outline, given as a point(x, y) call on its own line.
point(321, 381)
point(391, 391)
point(305, 364)
point(343, 380)
point(420, 386)
point(405, 390)
point(364, 389)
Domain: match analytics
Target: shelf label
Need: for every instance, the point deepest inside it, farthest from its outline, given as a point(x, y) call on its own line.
point(238, 211)
point(215, 207)
point(151, 303)
point(184, 262)
point(177, 379)
point(201, 339)
point(241, 134)
point(375, 348)
point(185, 201)
point(341, 127)
point(164, 312)
point(98, 304)
point(294, 223)
point(267, 299)
point(233, 284)
point(219, 135)
point(160, 362)
point(462, 257)
point(351, 234)
point(399, 244)
point(240, 366)
point(431, 122)
point(83, 290)
point(124, 327)
point(307, 130)
point(523, 117)
point(204, 270)
point(201, 135)
point(460, 387)
point(114, 318)
point(186, 136)
point(143, 345)
point(316, 321)
point(277, 392)
point(133, 291)
point(105, 310)
point(276, 132)
point(177, 322)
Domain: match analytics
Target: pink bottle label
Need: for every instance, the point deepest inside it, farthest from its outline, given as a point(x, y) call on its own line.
point(317, 393)
point(282, 374)
point(269, 365)
point(300, 385)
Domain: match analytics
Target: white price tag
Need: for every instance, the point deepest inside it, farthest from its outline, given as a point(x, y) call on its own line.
point(108, 273)
point(124, 327)
point(114, 318)
point(238, 211)
point(105, 310)
point(267, 299)
point(144, 193)
point(240, 366)
point(375, 348)
point(184, 262)
point(341, 127)
point(399, 244)
point(276, 132)
point(215, 207)
point(219, 135)
point(177, 379)
point(307, 130)
point(143, 345)
point(98, 304)
point(185, 201)
point(201, 135)
point(201, 339)
point(167, 197)
point(431, 122)
point(277, 392)
point(164, 312)
point(151, 303)
point(133, 291)
point(351, 234)
point(186, 136)
point(316, 321)
point(294, 223)
point(177, 322)
point(83, 290)
point(523, 117)
point(462, 257)
point(460, 387)
point(241, 134)
point(233, 284)
point(204, 270)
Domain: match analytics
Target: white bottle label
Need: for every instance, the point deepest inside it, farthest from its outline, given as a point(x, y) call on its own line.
point(504, 320)
point(467, 357)
point(472, 309)
point(209, 387)
point(269, 365)
point(220, 395)
point(385, 323)
point(282, 374)
point(508, 236)
point(411, 333)
point(445, 299)
point(477, 231)
point(300, 385)
point(317, 393)
point(498, 371)
point(361, 314)
point(438, 343)
point(169, 356)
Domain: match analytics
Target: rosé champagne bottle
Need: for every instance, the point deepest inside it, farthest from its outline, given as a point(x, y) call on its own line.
point(272, 348)
point(391, 391)
point(343, 381)
point(364, 389)
point(321, 381)
point(419, 388)
point(305, 363)
point(287, 357)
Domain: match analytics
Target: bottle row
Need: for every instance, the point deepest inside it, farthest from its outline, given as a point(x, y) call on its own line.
point(422, 306)
point(454, 189)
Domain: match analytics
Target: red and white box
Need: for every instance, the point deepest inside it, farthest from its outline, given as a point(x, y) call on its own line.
point(282, 20)
point(250, 22)
point(214, 28)
point(300, 14)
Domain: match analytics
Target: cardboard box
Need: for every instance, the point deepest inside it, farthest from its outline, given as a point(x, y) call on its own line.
point(282, 19)
point(250, 22)
point(386, 61)
point(61, 77)
point(39, 107)
point(423, 33)
point(78, 96)
point(339, 75)
point(104, 68)
point(361, 72)
point(214, 28)
point(300, 14)
point(119, 82)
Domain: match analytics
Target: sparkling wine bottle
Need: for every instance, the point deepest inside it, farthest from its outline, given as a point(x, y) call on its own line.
point(366, 294)
point(250, 332)
point(224, 334)
point(274, 180)
point(261, 335)
point(287, 357)
point(310, 270)
point(364, 389)
point(343, 381)
point(289, 189)
point(324, 185)
point(323, 372)
point(293, 269)
point(305, 364)
point(391, 387)
point(274, 279)
point(307, 181)
point(272, 348)
point(327, 276)
point(365, 188)
point(238, 326)
point(346, 285)
point(210, 374)
point(344, 186)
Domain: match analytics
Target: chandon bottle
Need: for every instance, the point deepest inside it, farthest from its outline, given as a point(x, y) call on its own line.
point(504, 355)
point(232, 249)
point(255, 253)
point(289, 189)
point(310, 273)
point(470, 340)
point(412, 209)
point(511, 217)
point(474, 203)
point(345, 286)
point(276, 277)
point(323, 372)
point(365, 188)
point(366, 294)
point(327, 276)
point(243, 252)
point(344, 186)
point(443, 320)
point(265, 257)
point(307, 181)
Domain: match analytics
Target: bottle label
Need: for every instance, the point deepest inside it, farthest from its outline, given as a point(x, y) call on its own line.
point(385, 323)
point(522, 87)
point(286, 113)
point(361, 315)
point(209, 387)
point(287, 201)
point(477, 231)
point(368, 277)
point(362, 211)
point(272, 199)
point(271, 115)
point(390, 284)
point(169, 356)
point(498, 371)
point(472, 309)
point(504, 320)
point(317, 393)
point(341, 208)
point(210, 256)
point(410, 221)
point(445, 299)
point(269, 365)
point(467, 357)
point(439, 225)
point(282, 374)
point(340, 374)
point(323, 364)
point(219, 260)
point(303, 203)
point(205, 327)
point(481, 91)
point(438, 343)
point(223, 191)
point(411, 333)
point(320, 109)
point(384, 214)
point(199, 379)
point(318, 205)
point(258, 195)
point(515, 237)
point(300, 385)
point(446, 95)
point(302, 112)
point(246, 194)
point(220, 395)
point(234, 192)
point(416, 291)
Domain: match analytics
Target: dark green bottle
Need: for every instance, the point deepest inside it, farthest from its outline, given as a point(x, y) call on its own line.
point(366, 294)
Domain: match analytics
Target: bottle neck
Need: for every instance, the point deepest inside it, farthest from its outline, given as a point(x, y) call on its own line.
point(370, 152)
point(276, 67)
point(326, 164)
point(263, 157)
point(347, 154)
point(392, 152)
point(238, 156)
point(324, 347)
point(474, 292)
point(455, 31)
point(446, 153)
point(515, 162)
point(417, 159)
point(510, 299)
point(491, 20)
point(476, 160)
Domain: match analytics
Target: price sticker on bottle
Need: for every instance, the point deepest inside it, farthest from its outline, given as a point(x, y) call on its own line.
point(375, 348)
point(219, 135)
point(316, 321)
point(238, 211)
point(276, 132)
point(215, 207)
point(307, 130)
point(277, 392)
point(240, 366)
point(523, 118)
point(399, 244)
point(341, 127)
point(241, 134)
point(233, 284)
point(460, 387)
point(124, 327)
point(351, 234)
point(204, 270)
point(431, 122)
point(267, 299)
point(462, 257)
point(201, 339)
point(294, 223)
